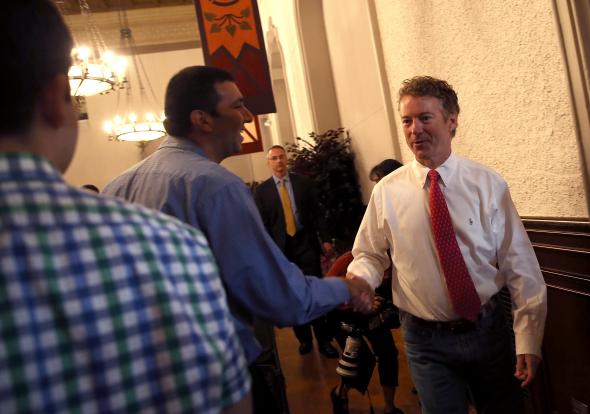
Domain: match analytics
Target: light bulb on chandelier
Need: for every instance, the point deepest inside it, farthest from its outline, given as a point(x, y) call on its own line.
point(89, 75)
point(130, 128)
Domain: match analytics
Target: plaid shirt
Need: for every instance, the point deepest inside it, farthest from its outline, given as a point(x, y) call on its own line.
point(105, 307)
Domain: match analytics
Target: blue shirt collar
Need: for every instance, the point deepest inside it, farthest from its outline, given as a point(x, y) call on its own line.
point(278, 180)
point(182, 143)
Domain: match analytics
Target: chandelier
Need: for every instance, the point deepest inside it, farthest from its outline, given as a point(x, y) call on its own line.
point(94, 70)
point(127, 125)
point(90, 75)
point(131, 129)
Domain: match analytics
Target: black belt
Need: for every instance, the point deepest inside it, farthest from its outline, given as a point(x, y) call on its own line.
point(459, 326)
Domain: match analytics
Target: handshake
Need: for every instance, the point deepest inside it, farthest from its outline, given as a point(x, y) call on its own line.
point(361, 294)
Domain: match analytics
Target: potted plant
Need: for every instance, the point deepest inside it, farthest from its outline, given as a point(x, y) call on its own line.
point(328, 160)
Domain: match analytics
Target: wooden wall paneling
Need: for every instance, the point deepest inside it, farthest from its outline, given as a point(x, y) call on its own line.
point(563, 251)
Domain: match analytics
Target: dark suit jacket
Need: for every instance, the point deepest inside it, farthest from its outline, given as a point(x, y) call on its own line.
point(268, 201)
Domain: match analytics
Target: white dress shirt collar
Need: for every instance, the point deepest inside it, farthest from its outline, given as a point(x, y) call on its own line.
point(446, 171)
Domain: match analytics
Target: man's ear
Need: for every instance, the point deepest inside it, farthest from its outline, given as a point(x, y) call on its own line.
point(202, 120)
point(55, 101)
point(453, 119)
point(453, 122)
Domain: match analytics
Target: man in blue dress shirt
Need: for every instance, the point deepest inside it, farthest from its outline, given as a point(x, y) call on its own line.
point(205, 115)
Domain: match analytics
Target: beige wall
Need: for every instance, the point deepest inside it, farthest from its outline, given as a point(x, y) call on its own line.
point(360, 93)
point(282, 15)
point(503, 58)
point(359, 86)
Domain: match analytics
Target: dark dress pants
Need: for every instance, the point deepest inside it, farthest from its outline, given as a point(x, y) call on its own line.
point(269, 395)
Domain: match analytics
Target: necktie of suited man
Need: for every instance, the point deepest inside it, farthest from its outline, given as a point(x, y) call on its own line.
point(287, 209)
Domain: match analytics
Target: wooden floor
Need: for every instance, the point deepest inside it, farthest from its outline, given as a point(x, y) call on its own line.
point(311, 377)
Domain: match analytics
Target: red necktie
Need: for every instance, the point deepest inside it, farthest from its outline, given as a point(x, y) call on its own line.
point(459, 284)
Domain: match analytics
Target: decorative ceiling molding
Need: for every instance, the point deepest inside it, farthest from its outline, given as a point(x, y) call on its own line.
point(73, 7)
point(154, 29)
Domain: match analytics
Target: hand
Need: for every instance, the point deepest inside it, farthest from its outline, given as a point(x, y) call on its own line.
point(377, 304)
point(526, 368)
point(327, 247)
point(361, 294)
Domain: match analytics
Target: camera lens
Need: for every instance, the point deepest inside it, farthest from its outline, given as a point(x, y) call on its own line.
point(348, 364)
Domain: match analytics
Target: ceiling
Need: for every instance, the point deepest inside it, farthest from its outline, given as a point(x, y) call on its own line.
point(73, 6)
point(157, 25)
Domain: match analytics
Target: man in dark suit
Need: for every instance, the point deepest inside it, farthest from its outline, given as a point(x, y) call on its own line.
point(288, 207)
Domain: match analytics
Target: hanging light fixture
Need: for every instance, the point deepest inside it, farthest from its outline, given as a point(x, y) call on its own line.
point(127, 125)
point(129, 128)
point(94, 70)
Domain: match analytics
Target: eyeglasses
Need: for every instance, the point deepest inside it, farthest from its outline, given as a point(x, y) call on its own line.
point(277, 158)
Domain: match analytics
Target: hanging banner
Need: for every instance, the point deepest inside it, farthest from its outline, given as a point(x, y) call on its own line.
point(252, 140)
point(231, 36)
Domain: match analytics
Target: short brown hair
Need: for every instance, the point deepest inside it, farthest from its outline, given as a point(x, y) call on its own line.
point(192, 88)
point(429, 86)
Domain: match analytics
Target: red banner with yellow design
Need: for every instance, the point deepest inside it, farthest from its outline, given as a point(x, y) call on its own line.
point(232, 39)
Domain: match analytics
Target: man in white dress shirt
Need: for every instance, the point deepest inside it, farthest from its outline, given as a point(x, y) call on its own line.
point(454, 360)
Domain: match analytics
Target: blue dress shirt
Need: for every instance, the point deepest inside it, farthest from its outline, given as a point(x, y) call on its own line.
point(179, 180)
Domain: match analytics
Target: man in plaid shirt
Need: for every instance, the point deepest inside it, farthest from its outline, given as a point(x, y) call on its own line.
point(104, 307)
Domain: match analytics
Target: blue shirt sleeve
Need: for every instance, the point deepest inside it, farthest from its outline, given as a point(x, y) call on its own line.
point(256, 273)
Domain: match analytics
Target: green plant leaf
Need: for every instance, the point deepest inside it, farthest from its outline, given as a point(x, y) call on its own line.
point(245, 12)
point(231, 29)
point(210, 17)
point(215, 28)
point(245, 26)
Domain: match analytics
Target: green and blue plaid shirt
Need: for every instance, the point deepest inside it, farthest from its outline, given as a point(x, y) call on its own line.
point(107, 307)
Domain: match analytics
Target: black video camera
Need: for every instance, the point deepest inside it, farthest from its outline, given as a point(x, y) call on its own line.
point(355, 348)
